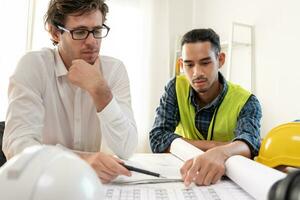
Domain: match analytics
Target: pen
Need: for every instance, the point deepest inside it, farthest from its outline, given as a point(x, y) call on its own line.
point(135, 169)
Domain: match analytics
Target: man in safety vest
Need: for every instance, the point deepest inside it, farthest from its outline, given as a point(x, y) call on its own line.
point(215, 115)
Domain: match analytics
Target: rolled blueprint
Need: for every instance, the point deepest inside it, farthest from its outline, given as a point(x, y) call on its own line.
point(253, 177)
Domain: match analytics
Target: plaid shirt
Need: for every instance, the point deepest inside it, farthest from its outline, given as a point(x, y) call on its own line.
point(168, 117)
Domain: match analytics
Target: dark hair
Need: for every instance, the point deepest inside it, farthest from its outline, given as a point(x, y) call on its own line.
point(203, 35)
point(58, 10)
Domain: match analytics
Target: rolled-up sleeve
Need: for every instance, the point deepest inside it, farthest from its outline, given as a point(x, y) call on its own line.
point(248, 125)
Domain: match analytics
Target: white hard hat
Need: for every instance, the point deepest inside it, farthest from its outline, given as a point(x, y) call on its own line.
point(47, 173)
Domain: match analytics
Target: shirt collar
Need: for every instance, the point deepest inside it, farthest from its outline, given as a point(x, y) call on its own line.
point(216, 101)
point(60, 68)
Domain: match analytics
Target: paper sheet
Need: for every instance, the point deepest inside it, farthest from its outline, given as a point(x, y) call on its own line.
point(224, 189)
point(164, 164)
point(252, 176)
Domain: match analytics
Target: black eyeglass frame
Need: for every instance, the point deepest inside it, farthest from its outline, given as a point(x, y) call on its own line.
point(88, 32)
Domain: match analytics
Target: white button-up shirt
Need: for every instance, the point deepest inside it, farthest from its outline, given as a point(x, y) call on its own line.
point(45, 108)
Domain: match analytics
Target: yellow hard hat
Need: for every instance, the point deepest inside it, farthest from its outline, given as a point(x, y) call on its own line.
point(281, 146)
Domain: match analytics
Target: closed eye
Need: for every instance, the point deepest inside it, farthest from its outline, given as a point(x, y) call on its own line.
point(97, 31)
point(189, 64)
point(205, 63)
point(80, 31)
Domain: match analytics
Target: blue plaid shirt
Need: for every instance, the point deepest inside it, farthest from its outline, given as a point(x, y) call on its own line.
point(168, 117)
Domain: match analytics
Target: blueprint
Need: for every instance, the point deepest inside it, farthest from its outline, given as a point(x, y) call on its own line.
point(225, 189)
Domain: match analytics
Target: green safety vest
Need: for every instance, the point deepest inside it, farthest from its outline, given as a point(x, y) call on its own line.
point(226, 120)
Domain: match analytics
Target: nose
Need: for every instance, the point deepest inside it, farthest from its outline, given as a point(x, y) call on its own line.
point(197, 70)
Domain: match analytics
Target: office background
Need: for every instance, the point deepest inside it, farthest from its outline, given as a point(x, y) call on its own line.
point(144, 35)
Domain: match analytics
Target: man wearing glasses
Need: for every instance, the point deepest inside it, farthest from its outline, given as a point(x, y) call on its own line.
point(71, 96)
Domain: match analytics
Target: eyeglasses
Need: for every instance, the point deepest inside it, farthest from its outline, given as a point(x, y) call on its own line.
point(82, 34)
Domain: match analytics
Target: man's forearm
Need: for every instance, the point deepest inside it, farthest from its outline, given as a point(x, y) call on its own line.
point(230, 148)
point(237, 148)
point(205, 145)
point(83, 155)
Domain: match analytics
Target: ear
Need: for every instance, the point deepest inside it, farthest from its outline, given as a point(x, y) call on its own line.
point(179, 66)
point(221, 58)
point(55, 33)
point(180, 61)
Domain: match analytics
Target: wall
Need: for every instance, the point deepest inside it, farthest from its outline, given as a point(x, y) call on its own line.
point(277, 44)
point(165, 21)
point(13, 44)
